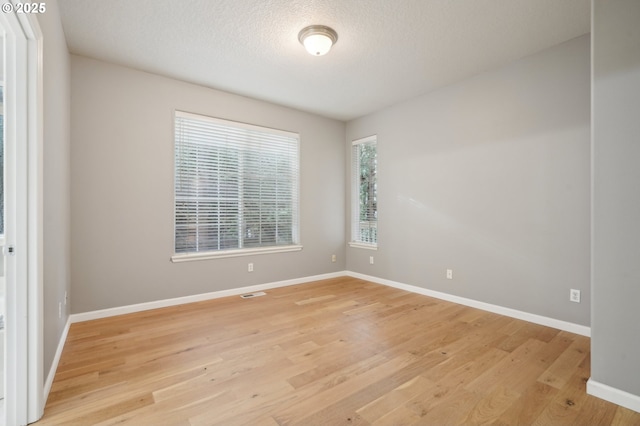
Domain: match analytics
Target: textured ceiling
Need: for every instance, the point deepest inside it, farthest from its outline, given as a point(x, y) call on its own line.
point(387, 51)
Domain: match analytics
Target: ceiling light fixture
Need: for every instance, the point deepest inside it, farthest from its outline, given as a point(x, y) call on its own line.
point(317, 39)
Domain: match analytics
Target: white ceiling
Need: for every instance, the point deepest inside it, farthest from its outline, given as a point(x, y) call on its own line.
point(387, 50)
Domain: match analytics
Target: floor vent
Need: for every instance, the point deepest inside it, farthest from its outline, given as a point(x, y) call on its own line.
point(256, 294)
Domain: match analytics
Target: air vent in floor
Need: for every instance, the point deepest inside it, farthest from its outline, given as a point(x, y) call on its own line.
point(256, 294)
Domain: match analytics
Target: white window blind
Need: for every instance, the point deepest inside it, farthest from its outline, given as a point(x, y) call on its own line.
point(364, 191)
point(236, 185)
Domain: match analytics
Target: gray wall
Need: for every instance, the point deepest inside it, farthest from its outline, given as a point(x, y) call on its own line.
point(615, 325)
point(122, 189)
point(57, 275)
point(490, 177)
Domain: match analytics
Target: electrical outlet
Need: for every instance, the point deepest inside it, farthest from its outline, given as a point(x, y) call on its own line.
point(449, 274)
point(60, 310)
point(370, 260)
point(333, 257)
point(250, 267)
point(574, 295)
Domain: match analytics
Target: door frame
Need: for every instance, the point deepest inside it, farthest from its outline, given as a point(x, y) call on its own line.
point(24, 396)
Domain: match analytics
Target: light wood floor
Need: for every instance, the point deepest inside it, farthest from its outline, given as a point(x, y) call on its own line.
point(335, 352)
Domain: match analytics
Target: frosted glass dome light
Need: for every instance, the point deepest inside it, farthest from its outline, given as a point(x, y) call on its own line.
point(317, 39)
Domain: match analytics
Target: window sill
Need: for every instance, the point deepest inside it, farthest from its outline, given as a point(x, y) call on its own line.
point(363, 245)
point(189, 257)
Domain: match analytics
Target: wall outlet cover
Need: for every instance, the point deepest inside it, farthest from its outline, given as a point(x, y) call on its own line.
point(574, 295)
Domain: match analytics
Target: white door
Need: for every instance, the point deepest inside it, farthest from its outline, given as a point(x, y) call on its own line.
point(2, 266)
point(22, 139)
point(15, 227)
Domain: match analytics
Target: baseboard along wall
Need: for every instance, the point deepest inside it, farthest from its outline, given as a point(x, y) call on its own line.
point(121, 310)
point(513, 313)
point(611, 394)
point(56, 360)
point(593, 388)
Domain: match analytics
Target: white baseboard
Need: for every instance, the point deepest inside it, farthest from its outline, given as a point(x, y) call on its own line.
point(593, 388)
point(513, 313)
point(56, 360)
point(617, 396)
point(104, 313)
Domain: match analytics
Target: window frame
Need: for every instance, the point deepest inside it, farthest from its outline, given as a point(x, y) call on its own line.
point(237, 252)
point(355, 196)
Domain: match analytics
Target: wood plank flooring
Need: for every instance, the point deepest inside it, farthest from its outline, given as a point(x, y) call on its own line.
point(336, 352)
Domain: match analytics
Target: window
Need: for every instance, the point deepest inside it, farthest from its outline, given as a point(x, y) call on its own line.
point(364, 193)
point(236, 188)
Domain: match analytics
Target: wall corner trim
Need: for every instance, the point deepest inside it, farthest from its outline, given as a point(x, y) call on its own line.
point(614, 395)
point(513, 313)
point(56, 361)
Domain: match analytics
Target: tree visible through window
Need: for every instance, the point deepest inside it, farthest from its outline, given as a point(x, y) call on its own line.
point(364, 224)
point(236, 185)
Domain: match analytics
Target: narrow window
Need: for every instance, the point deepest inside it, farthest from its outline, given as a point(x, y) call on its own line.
point(236, 186)
point(364, 192)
